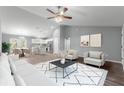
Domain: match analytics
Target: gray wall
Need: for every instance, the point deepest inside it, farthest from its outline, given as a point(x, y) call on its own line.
point(111, 39)
point(62, 38)
point(6, 37)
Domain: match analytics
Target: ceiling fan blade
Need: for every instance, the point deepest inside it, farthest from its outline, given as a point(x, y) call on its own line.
point(51, 17)
point(50, 11)
point(68, 17)
point(65, 9)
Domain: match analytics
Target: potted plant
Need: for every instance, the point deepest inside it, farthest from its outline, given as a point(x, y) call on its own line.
point(5, 47)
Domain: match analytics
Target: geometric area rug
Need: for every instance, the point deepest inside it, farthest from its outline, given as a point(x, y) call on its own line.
point(84, 76)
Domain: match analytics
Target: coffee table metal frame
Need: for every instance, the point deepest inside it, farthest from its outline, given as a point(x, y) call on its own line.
point(63, 66)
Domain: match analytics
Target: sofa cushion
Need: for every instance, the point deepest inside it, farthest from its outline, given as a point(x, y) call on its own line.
point(95, 54)
point(31, 75)
point(18, 80)
point(14, 57)
point(4, 62)
point(12, 66)
point(6, 79)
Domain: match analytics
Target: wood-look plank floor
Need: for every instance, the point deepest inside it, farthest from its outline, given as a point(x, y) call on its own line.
point(115, 76)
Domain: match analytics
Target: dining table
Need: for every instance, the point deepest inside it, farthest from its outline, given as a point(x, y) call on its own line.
point(22, 52)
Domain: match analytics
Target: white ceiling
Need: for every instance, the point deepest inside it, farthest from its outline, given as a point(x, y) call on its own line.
point(32, 20)
point(85, 15)
point(20, 22)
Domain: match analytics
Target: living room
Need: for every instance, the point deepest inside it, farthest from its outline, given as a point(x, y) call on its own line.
point(37, 42)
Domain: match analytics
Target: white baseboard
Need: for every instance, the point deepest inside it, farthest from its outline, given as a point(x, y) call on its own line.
point(114, 61)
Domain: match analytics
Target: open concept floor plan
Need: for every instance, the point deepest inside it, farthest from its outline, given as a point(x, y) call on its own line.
point(61, 45)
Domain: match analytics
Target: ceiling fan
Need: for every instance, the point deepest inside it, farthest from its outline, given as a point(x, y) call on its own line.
point(59, 15)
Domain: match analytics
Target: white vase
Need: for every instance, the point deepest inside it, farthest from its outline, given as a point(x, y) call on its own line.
point(63, 61)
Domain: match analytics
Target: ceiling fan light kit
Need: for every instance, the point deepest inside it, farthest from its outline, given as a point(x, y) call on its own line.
point(58, 19)
point(59, 15)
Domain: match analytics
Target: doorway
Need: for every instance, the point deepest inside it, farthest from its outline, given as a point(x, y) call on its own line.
point(67, 43)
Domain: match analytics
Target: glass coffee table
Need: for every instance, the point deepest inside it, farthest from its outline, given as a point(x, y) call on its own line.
point(63, 66)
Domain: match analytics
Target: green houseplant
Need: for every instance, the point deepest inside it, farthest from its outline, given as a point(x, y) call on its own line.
point(5, 47)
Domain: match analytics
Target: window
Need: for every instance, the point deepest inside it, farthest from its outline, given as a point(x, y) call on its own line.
point(13, 42)
point(20, 42)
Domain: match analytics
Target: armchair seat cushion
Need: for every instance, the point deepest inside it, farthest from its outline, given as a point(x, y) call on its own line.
point(69, 56)
point(93, 61)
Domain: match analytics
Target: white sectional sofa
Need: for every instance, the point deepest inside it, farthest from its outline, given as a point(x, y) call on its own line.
point(5, 72)
point(19, 73)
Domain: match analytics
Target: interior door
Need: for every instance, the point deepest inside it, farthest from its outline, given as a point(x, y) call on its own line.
point(67, 43)
point(55, 45)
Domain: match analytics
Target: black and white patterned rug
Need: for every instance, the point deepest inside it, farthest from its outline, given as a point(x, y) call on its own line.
point(84, 76)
